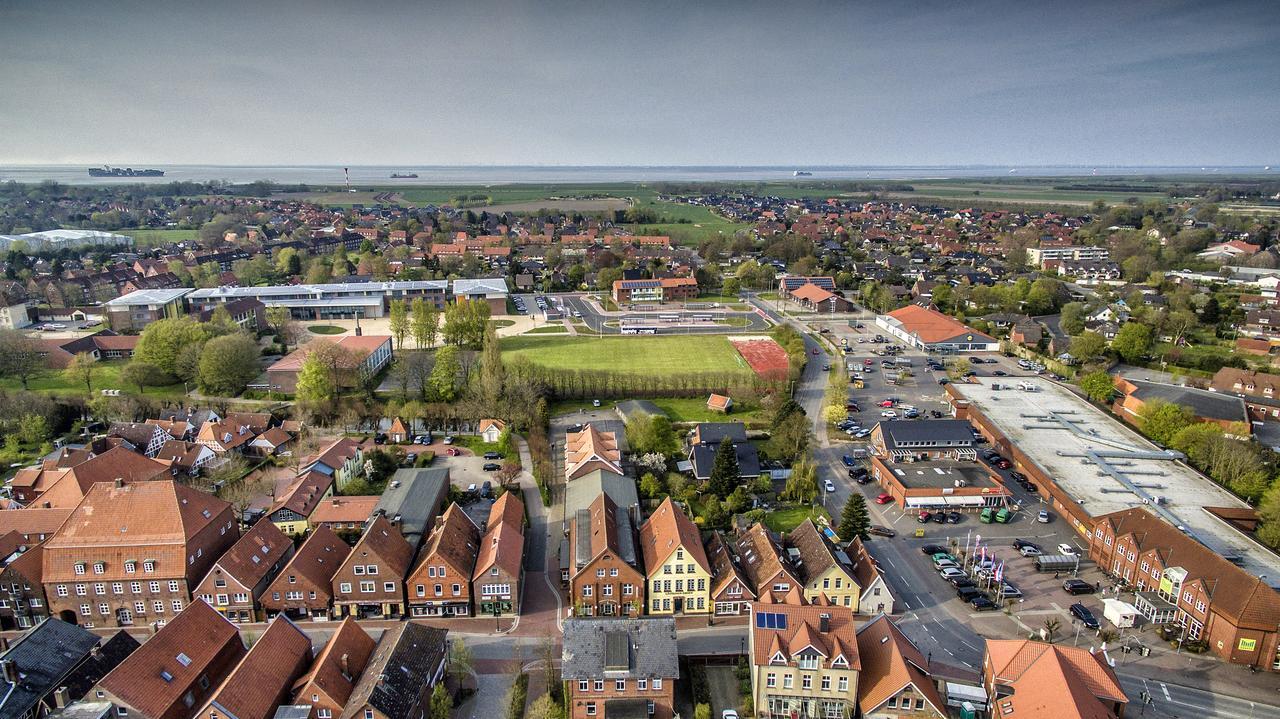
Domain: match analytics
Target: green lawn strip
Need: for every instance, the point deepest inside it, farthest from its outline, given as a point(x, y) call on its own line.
point(106, 375)
point(556, 329)
point(670, 354)
point(325, 330)
point(686, 409)
point(785, 519)
point(481, 447)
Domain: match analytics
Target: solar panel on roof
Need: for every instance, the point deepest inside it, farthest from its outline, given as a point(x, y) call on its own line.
point(771, 620)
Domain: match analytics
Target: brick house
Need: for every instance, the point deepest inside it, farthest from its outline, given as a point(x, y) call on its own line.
point(174, 672)
point(804, 661)
point(370, 582)
point(767, 567)
point(731, 591)
point(327, 685)
point(404, 669)
point(620, 668)
point(1178, 580)
point(304, 587)
point(439, 584)
point(130, 553)
point(22, 600)
point(496, 580)
point(604, 573)
point(1259, 390)
point(239, 578)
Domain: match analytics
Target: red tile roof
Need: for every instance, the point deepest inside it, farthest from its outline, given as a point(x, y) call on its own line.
point(262, 680)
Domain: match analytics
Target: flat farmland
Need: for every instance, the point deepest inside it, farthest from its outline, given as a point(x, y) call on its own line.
point(603, 204)
point(652, 354)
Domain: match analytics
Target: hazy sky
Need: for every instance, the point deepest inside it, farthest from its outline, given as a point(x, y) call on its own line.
point(601, 82)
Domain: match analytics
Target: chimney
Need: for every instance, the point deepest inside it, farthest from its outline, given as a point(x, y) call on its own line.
point(61, 698)
point(119, 482)
point(344, 663)
point(10, 670)
point(4, 644)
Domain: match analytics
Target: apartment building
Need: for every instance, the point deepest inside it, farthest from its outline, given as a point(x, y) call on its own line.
point(1038, 256)
point(804, 661)
point(240, 577)
point(499, 571)
point(370, 582)
point(604, 571)
point(679, 575)
point(620, 668)
point(825, 570)
point(130, 553)
point(440, 582)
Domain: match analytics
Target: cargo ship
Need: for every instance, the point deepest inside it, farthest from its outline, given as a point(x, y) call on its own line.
point(107, 171)
point(404, 175)
point(801, 173)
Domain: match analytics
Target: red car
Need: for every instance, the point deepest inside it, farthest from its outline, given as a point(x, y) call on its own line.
point(883, 499)
point(887, 403)
point(1003, 464)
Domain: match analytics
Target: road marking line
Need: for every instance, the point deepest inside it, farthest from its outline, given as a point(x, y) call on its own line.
point(1164, 688)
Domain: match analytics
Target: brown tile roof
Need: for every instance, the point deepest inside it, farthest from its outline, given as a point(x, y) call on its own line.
point(116, 463)
point(1238, 595)
point(762, 558)
point(344, 509)
point(350, 646)
point(933, 326)
point(178, 429)
point(262, 680)
point(666, 530)
point(256, 421)
point(184, 649)
point(226, 433)
point(816, 555)
point(358, 348)
point(865, 569)
point(889, 663)
point(718, 401)
point(455, 539)
point(33, 521)
point(1226, 378)
point(503, 542)
point(179, 453)
point(254, 554)
point(804, 628)
point(723, 567)
point(274, 436)
point(305, 494)
point(487, 423)
point(1051, 680)
point(336, 453)
point(591, 449)
point(161, 516)
point(319, 557)
point(384, 541)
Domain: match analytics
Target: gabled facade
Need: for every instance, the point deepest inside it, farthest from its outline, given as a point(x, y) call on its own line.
point(895, 680)
point(304, 587)
point(766, 565)
point(327, 685)
point(604, 574)
point(678, 573)
point(341, 459)
point(239, 578)
point(370, 583)
point(620, 668)
point(440, 581)
point(825, 570)
point(292, 512)
point(499, 571)
point(731, 591)
point(804, 661)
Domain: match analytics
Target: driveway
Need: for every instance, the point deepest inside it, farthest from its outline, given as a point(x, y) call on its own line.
point(724, 690)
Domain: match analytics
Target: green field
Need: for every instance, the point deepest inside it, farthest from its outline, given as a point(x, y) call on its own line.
point(106, 375)
point(666, 355)
point(325, 330)
point(156, 238)
point(685, 409)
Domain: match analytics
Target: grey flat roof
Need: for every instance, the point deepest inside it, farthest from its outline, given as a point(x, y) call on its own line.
point(354, 288)
point(1211, 405)
point(1025, 419)
point(149, 297)
point(598, 648)
point(940, 474)
point(486, 285)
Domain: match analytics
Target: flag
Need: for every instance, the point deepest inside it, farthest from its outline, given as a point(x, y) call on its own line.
point(1000, 571)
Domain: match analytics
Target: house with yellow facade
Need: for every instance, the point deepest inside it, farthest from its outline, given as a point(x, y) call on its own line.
point(804, 661)
point(292, 512)
point(678, 574)
point(823, 568)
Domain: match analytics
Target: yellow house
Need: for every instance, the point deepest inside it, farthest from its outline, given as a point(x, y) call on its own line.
point(824, 569)
point(679, 575)
point(291, 513)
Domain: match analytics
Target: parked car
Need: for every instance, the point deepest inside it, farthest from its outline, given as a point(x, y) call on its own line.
point(1009, 591)
point(815, 352)
point(923, 518)
point(931, 549)
point(1000, 373)
point(1081, 612)
point(595, 403)
point(942, 561)
point(1030, 551)
point(983, 604)
point(493, 455)
point(939, 517)
point(889, 414)
point(492, 466)
point(1077, 586)
point(447, 440)
point(862, 433)
point(1042, 516)
point(486, 490)
point(953, 517)
point(471, 488)
point(881, 531)
point(949, 572)
point(410, 458)
point(829, 485)
point(1003, 464)
point(968, 593)
point(1018, 476)
point(961, 582)
point(1067, 549)
point(884, 499)
point(848, 460)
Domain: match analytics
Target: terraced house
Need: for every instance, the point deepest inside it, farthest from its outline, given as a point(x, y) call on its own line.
point(499, 568)
point(605, 578)
point(439, 584)
point(239, 578)
point(804, 661)
point(824, 569)
point(679, 575)
point(304, 587)
point(370, 583)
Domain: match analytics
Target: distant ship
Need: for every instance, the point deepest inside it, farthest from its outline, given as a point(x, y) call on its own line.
point(801, 173)
point(107, 171)
point(404, 175)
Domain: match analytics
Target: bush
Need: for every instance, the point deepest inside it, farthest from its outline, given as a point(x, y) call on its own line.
point(699, 687)
point(519, 692)
point(425, 459)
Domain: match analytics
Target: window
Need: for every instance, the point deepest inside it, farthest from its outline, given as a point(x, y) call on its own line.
point(79, 567)
point(117, 587)
point(242, 598)
point(599, 572)
point(135, 587)
point(627, 590)
point(104, 608)
point(177, 605)
point(787, 681)
point(842, 684)
point(389, 586)
point(130, 567)
point(421, 589)
point(359, 569)
point(806, 681)
point(370, 587)
point(141, 607)
point(441, 570)
point(613, 572)
point(154, 587)
point(222, 600)
point(586, 590)
point(591, 709)
point(439, 590)
point(657, 684)
point(457, 589)
point(598, 685)
point(642, 684)
point(173, 586)
point(826, 684)
point(620, 685)
point(62, 590)
point(892, 703)
point(582, 685)
point(607, 590)
point(158, 606)
point(85, 610)
point(344, 587)
point(919, 704)
point(99, 588)
point(431, 571)
point(81, 590)
point(368, 714)
point(99, 568)
point(371, 569)
point(149, 566)
point(324, 713)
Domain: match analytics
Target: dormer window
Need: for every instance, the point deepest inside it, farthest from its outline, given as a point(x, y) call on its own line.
point(149, 566)
point(99, 568)
point(777, 658)
point(80, 568)
point(130, 567)
point(807, 661)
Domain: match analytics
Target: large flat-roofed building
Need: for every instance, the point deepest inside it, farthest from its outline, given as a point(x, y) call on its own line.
point(1038, 256)
point(1089, 464)
point(138, 309)
point(928, 329)
point(938, 484)
point(492, 290)
point(327, 301)
point(57, 239)
point(671, 289)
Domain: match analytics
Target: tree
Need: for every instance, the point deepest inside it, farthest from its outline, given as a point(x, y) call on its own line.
point(277, 317)
point(1072, 319)
point(19, 356)
point(80, 370)
point(399, 322)
point(1161, 420)
point(1269, 513)
point(492, 374)
point(441, 702)
point(724, 470)
point(163, 341)
point(791, 437)
point(855, 520)
point(651, 486)
point(443, 382)
point(544, 708)
point(1098, 386)
point(1087, 345)
point(315, 382)
point(33, 428)
point(227, 364)
point(1132, 342)
point(802, 485)
point(142, 375)
point(1050, 629)
point(426, 323)
point(460, 660)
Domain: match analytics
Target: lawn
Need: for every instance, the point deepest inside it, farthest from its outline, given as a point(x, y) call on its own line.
point(106, 375)
point(785, 519)
point(665, 355)
point(499, 324)
point(686, 409)
point(481, 447)
point(556, 329)
point(325, 330)
point(145, 239)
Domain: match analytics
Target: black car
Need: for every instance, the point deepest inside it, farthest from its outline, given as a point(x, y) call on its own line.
point(881, 531)
point(983, 604)
point(573, 428)
point(961, 582)
point(939, 517)
point(493, 455)
point(932, 549)
point(1081, 612)
point(1020, 543)
point(492, 466)
point(953, 517)
point(968, 593)
point(935, 413)
point(486, 491)
point(1019, 476)
point(1000, 373)
point(1030, 487)
point(1077, 586)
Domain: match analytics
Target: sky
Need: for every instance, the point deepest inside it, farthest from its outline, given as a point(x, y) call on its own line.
point(604, 82)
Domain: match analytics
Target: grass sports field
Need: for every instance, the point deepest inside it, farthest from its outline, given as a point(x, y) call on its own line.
point(667, 355)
